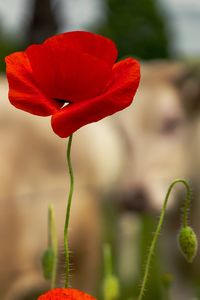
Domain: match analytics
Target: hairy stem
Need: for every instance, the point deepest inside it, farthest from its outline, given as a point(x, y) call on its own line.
point(158, 229)
point(66, 245)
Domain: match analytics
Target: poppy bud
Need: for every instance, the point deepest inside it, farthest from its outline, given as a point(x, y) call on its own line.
point(111, 289)
point(188, 243)
point(48, 262)
point(167, 280)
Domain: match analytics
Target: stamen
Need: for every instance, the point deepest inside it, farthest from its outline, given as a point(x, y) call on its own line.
point(64, 102)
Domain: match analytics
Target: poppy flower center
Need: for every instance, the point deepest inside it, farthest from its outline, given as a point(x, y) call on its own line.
point(63, 102)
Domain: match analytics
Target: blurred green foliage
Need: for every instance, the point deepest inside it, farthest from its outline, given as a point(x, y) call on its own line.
point(8, 46)
point(137, 27)
point(130, 287)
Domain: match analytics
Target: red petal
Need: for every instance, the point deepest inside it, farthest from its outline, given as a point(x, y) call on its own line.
point(65, 294)
point(64, 72)
point(87, 42)
point(118, 95)
point(23, 92)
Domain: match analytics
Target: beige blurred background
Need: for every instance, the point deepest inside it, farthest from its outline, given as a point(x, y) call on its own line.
point(123, 164)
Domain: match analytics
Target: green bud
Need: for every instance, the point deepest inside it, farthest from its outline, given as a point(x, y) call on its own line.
point(188, 243)
point(111, 289)
point(167, 280)
point(48, 263)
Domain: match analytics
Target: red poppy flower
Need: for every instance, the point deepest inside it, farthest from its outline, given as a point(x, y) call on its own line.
point(65, 294)
point(73, 78)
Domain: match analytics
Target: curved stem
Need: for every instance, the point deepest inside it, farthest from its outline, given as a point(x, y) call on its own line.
point(158, 229)
point(66, 246)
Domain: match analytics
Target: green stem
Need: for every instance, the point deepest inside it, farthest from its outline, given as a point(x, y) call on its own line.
point(158, 229)
point(107, 260)
point(111, 286)
point(66, 246)
point(53, 242)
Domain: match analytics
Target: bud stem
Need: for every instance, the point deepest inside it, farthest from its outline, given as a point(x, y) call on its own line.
point(158, 229)
point(111, 287)
point(107, 260)
point(53, 242)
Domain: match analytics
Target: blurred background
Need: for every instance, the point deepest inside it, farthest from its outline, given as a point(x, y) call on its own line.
point(136, 156)
point(153, 29)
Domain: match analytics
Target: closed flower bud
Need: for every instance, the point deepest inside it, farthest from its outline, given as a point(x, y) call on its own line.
point(48, 262)
point(188, 243)
point(111, 289)
point(167, 280)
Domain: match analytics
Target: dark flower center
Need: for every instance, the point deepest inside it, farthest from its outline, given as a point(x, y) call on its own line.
point(63, 102)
